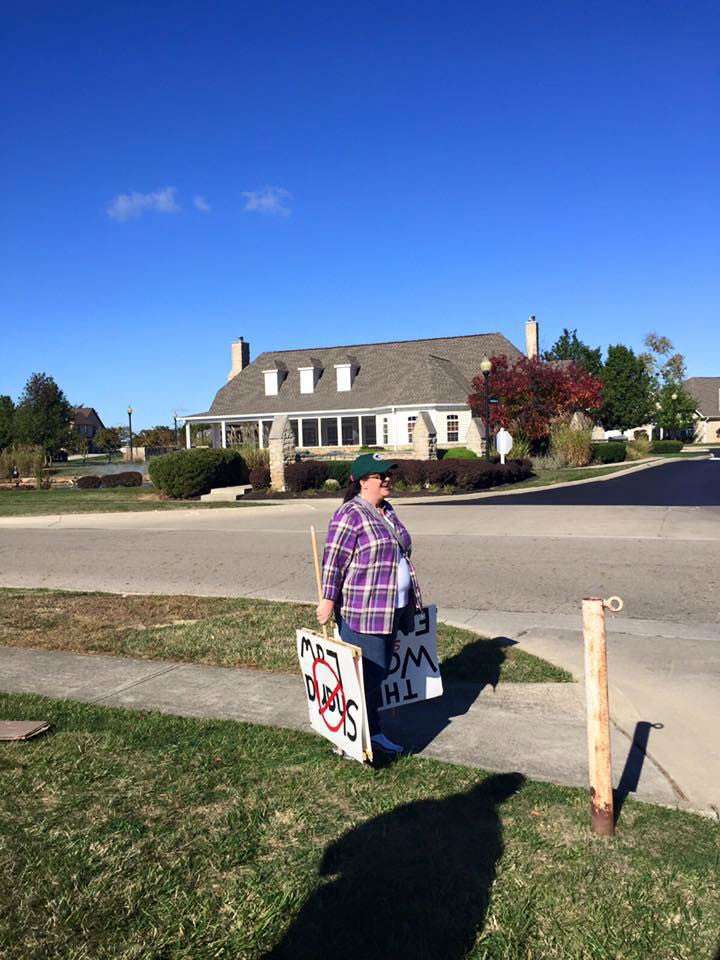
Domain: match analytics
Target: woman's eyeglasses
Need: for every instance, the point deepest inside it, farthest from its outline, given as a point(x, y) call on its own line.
point(378, 476)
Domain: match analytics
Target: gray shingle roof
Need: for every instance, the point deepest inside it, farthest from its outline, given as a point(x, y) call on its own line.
point(706, 392)
point(404, 372)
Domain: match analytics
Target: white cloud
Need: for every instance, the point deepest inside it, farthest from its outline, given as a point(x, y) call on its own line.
point(273, 200)
point(126, 206)
point(201, 204)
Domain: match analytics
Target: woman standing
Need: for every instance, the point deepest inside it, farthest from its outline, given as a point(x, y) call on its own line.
point(368, 579)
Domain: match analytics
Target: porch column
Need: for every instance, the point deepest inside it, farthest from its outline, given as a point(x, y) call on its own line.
point(188, 436)
point(260, 435)
point(300, 433)
point(223, 434)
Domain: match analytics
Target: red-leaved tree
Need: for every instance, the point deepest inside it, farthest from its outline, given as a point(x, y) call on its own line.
point(534, 392)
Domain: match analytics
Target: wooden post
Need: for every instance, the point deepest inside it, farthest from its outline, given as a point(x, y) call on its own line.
point(598, 713)
point(318, 578)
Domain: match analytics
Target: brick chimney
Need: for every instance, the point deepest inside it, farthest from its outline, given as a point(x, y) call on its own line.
point(531, 337)
point(240, 353)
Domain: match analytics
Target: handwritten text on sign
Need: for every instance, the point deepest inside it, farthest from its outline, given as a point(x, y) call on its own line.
point(414, 669)
point(335, 696)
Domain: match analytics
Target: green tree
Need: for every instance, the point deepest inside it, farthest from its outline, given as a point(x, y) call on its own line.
point(43, 415)
point(7, 416)
point(628, 395)
point(675, 408)
point(155, 437)
point(569, 347)
point(108, 440)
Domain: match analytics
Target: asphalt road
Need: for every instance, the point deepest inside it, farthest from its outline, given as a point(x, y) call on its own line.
point(682, 483)
point(509, 557)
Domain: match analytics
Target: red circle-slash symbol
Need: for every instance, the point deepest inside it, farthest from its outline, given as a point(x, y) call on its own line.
point(337, 692)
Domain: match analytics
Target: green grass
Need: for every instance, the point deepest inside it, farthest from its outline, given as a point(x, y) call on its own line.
point(564, 475)
point(136, 836)
point(29, 503)
point(227, 632)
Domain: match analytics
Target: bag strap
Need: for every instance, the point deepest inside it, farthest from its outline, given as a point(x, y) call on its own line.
point(378, 515)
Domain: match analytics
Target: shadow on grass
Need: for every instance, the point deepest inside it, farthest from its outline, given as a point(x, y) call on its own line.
point(412, 883)
point(417, 725)
point(630, 777)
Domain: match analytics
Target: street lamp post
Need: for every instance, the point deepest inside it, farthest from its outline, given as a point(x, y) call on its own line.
point(177, 442)
point(130, 413)
point(486, 367)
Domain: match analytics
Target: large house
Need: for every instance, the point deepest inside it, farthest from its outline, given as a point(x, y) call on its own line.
point(367, 394)
point(86, 422)
point(706, 391)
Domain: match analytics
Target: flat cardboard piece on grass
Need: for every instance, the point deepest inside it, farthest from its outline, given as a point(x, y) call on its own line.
point(22, 729)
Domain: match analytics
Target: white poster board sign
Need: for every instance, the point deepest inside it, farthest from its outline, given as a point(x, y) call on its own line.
point(332, 672)
point(414, 668)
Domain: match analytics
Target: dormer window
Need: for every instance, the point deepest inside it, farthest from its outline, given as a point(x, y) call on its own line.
point(309, 376)
point(274, 378)
point(345, 373)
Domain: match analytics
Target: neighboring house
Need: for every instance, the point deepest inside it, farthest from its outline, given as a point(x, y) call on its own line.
point(706, 391)
point(366, 394)
point(86, 423)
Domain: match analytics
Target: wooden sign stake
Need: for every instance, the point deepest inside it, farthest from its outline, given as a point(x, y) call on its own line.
point(598, 713)
point(318, 579)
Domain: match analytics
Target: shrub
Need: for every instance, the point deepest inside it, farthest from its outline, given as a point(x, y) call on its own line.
point(88, 483)
point(666, 446)
point(610, 452)
point(305, 475)
point(339, 470)
point(638, 448)
point(442, 473)
point(190, 473)
point(253, 456)
point(125, 478)
point(260, 476)
point(457, 453)
point(412, 472)
point(29, 460)
point(548, 461)
point(331, 484)
point(574, 446)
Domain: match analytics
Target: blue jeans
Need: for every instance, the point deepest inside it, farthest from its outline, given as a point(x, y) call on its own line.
point(377, 651)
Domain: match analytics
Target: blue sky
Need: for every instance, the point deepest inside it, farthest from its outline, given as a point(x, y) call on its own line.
point(306, 174)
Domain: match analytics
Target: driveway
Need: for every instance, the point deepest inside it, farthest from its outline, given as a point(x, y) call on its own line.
point(682, 483)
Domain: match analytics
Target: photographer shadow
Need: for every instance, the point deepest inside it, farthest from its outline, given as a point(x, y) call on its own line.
point(465, 675)
point(411, 883)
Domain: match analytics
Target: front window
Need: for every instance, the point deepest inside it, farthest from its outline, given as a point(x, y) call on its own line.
point(328, 426)
point(350, 431)
point(369, 431)
point(386, 431)
point(310, 433)
point(411, 427)
point(453, 427)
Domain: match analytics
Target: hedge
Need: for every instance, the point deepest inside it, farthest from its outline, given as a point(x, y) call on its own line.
point(611, 452)
point(190, 473)
point(306, 475)
point(339, 470)
point(260, 476)
point(88, 483)
point(465, 474)
point(126, 478)
point(666, 446)
point(457, 453)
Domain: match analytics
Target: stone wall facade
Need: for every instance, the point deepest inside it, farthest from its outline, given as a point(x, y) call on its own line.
point(281, 448)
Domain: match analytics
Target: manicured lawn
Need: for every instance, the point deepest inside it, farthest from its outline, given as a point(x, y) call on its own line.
point(27, 503)
point(136, 836)
point(227, 632)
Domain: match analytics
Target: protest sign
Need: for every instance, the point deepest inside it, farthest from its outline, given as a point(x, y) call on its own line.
point(414, 669)
point(332, 671)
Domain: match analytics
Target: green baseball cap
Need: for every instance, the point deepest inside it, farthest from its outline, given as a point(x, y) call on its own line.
point(370, 463)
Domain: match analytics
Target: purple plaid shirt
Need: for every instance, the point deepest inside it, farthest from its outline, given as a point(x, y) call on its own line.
point(360, 567)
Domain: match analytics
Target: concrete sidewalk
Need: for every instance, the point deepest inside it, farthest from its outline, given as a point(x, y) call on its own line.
point(538, 729)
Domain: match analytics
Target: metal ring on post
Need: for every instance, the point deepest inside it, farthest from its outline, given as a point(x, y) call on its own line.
point(614, 604)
